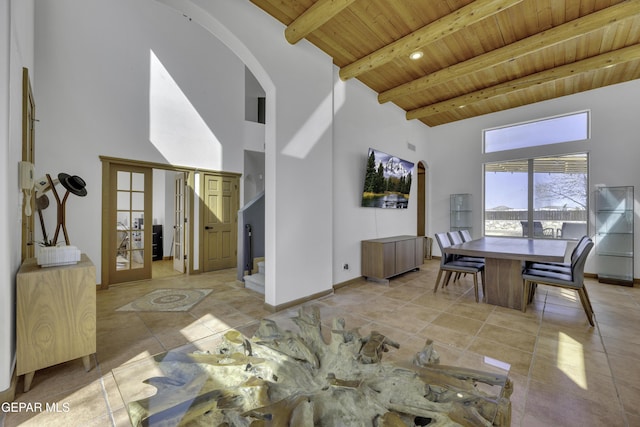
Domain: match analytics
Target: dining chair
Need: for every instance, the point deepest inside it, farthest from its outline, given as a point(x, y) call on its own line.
point(538, 230)
point(456, 238)
point(562, 267)
point(449, 264)
point(574, 279)
point(466, 235)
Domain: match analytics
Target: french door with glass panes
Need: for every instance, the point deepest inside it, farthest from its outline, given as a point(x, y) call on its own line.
point(130, 251)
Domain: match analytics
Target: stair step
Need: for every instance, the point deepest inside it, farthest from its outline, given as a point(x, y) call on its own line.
point(255, 282)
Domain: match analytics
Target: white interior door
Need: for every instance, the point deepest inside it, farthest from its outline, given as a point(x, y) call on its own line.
point(179, 229)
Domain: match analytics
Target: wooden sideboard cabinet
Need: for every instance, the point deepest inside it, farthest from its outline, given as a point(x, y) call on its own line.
point(55, 315)
point(390, 256)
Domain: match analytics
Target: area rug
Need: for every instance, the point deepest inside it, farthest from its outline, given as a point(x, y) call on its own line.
point(167, 300)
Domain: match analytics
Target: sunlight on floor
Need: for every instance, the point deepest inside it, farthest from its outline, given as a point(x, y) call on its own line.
point(571, 360)
point(569, 294)
point(208, 321)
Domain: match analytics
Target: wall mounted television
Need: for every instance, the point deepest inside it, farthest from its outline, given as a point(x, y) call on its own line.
point(387, 181)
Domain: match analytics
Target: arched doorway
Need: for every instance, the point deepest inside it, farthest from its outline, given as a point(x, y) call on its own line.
point(422, 200)
point(421, 222)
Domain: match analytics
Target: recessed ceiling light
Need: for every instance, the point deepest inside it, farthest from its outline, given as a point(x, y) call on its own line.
point(416, 55)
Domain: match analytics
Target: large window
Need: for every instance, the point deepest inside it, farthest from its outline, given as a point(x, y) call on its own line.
point(544, 197)
point(552, 130)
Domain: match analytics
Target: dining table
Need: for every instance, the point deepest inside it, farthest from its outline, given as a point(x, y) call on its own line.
point(504, 258)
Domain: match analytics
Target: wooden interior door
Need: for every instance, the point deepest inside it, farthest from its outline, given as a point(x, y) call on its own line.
point(130, 228)
point(28, 134)
point(220, 221)
point(179, 253)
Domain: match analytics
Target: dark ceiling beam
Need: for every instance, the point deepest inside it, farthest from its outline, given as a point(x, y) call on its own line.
point(554, 75)
point(313, 18)
point(430, 33)
point(531, 45)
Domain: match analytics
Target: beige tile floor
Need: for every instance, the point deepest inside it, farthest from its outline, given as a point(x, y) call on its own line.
point(565, 373)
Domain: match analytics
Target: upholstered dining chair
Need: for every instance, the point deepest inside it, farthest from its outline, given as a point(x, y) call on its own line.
point(456, 238)
point(449, 264)
point(466, 235)
point(562, 267)
point(574, 279)
point(463, 236)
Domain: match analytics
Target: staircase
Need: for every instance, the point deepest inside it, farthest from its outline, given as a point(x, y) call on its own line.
point(255, 282)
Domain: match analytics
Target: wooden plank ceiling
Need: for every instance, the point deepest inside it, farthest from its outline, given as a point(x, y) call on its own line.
point(478, 57)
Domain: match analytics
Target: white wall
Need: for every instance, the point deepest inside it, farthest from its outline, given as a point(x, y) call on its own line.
point(16, 52)
point(112, 75)
point(361, 123)
point(7, 192)
point(252, 91)
point(253, 178)
point(96, 93)
point(96, 97)
point(101, 91)
point(298, 143)
point(456, 156)
point(160, 197)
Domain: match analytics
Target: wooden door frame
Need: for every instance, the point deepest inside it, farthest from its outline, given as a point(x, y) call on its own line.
point(28, 155)
point(107, 163)
point(189, 214)
point(180, 228)
point(129, 274)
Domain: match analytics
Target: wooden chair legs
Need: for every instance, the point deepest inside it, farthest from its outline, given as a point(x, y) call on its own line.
point(448, 275)
point(435, 288)
point(586, 304)
point(527, 297)
point(475, 285)
point(526, 286)
point(445, 281)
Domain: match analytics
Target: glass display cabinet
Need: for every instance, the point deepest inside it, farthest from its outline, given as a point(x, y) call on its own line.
point(614, 234)
point(460, 212)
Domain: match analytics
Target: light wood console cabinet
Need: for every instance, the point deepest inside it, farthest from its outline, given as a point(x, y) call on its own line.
point(390, 256)
point(55, 315)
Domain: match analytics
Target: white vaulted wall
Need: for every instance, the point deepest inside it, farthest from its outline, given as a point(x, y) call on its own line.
point(100, 65)
point(16, 52)
point(97, 98)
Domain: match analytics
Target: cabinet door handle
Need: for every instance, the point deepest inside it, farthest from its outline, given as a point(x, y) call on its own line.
point(208, 227)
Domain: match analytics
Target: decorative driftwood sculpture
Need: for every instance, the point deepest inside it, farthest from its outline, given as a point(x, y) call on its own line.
point(279, 378)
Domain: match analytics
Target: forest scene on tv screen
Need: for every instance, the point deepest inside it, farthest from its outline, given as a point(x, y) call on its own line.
point(387, 181)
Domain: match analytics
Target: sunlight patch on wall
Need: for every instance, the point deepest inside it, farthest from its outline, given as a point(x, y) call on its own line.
point(176, 128)
point(317, 124)
point(571, 360)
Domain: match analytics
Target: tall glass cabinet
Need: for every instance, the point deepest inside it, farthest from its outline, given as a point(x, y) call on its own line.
point(614, 234)
point(460, 212)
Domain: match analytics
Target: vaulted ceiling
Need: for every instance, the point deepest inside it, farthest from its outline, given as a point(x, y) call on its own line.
point(478, 57)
